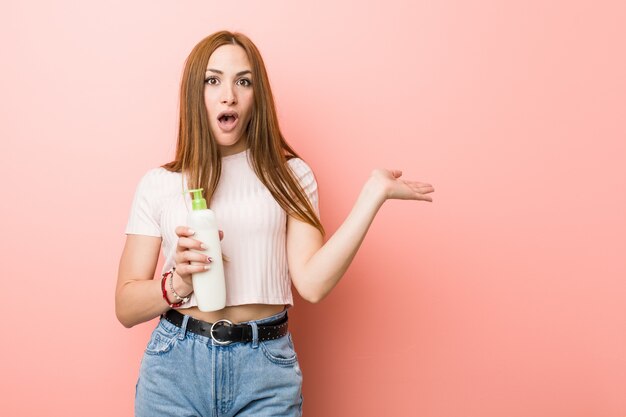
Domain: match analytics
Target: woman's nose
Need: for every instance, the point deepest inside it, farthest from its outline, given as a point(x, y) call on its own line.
point(228, 96)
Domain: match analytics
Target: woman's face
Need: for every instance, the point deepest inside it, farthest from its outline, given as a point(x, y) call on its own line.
point(229, 97)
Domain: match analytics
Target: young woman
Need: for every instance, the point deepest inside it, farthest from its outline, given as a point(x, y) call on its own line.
point(266, 201)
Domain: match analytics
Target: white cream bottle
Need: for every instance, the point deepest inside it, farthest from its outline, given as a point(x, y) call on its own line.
point(209, 286)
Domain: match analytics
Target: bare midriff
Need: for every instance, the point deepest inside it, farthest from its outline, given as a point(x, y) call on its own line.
point(236, 314)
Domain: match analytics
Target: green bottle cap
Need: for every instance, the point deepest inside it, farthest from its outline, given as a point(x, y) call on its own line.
point(197, 202)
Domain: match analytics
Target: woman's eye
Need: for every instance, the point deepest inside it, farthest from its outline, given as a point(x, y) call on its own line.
point(211, 81)
point(245, 82)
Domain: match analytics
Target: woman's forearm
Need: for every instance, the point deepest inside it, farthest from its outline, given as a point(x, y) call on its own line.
point(326, 267)
point(141, 300)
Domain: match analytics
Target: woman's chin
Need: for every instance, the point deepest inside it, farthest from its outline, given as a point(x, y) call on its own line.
point(228, 147)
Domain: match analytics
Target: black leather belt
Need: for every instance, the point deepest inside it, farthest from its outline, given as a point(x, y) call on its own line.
point(224, 332)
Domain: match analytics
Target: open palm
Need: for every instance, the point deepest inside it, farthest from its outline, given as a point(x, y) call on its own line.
point(395, 188)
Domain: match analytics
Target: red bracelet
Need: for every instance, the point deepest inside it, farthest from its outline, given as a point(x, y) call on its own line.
point(163, 278)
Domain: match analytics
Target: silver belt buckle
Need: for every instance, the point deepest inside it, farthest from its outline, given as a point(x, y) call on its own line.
point(220, 342)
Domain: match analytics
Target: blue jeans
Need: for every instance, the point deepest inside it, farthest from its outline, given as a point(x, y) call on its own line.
point(186, 374)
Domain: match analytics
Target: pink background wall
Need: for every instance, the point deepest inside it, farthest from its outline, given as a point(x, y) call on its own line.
point(504, 297)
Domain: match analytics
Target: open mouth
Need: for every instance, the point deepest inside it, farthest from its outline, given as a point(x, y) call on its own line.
point(227, 120)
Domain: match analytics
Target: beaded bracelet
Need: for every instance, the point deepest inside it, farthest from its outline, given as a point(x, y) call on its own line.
point(178, 297)
point(172, 305)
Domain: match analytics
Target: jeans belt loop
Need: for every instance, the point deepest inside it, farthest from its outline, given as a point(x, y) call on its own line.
point(255, 335)
point(183, 328)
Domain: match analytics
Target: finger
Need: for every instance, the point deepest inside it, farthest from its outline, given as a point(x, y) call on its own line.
point(187, 269)
point(425, 190)
point(396, 173)
point(183, 231)
point(221, 235)
point(416, 195)
point(190, 256)
point(413, 193)
point(417, 183)
point(185, 243)
point(420, 187)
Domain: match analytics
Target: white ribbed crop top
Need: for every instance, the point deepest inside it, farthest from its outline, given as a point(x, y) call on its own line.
point(253, 223)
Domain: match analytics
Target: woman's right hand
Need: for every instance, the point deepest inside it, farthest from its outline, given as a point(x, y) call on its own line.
point(184, 255)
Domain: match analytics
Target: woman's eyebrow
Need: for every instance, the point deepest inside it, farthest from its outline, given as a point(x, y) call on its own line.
point(221, 72)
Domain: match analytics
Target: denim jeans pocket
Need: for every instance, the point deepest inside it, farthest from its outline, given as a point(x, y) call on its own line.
point(161, 340)
point(280, 351)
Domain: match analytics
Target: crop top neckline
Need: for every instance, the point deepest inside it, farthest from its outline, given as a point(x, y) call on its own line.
point(236, 155)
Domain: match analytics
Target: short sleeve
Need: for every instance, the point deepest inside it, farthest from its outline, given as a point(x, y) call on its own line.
point(143, 219)
point(307, 181)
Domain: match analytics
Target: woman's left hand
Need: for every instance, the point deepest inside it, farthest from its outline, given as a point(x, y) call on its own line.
point(388, 182)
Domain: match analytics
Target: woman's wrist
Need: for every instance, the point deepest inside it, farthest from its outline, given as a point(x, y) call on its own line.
point(373, 193)
point(179, 288)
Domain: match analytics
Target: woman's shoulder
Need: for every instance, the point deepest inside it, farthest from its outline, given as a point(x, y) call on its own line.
point(160, 174)
point(299, 166)
point(160, 180)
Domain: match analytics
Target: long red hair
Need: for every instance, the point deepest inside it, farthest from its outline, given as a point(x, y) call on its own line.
point(197, 152)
